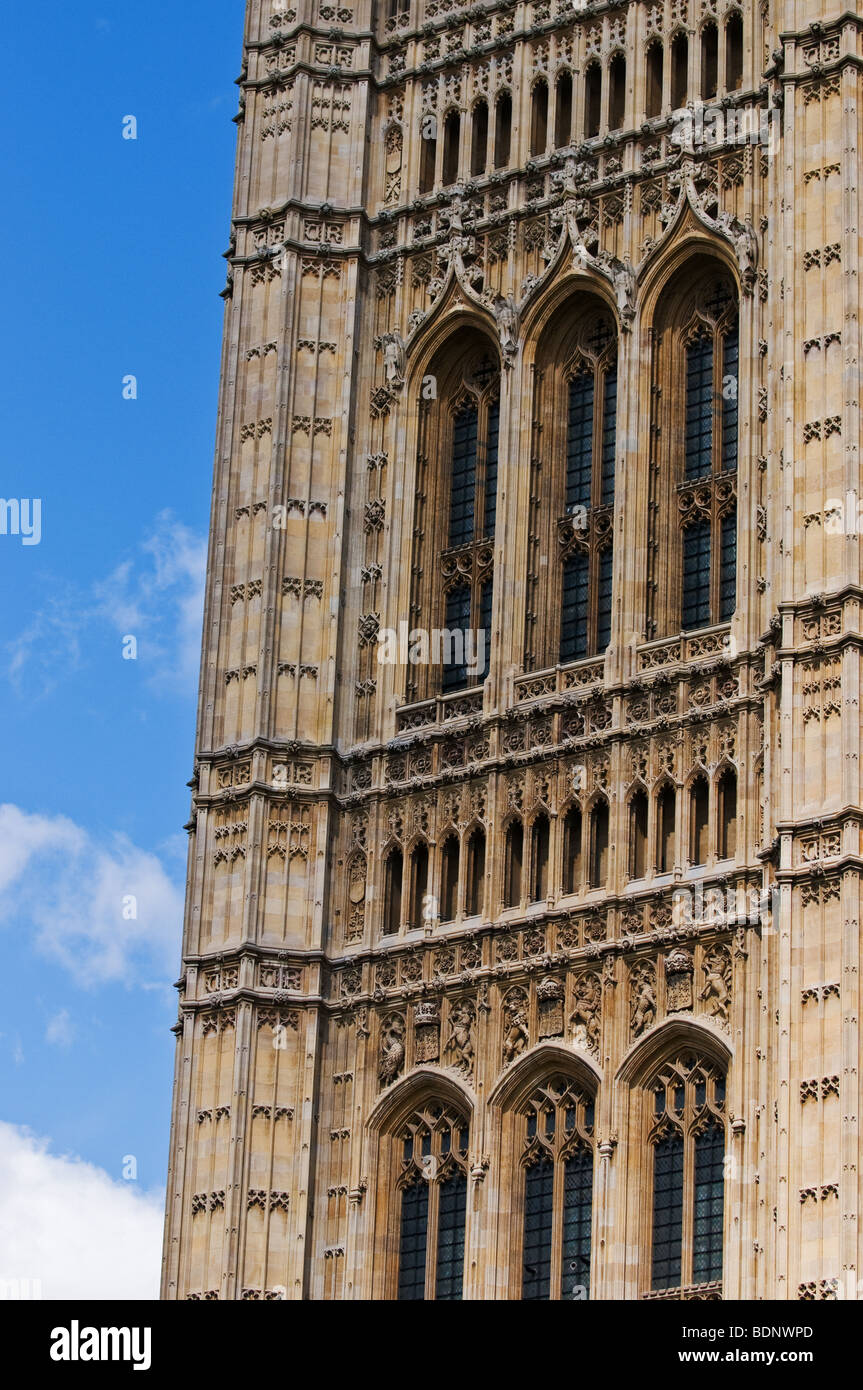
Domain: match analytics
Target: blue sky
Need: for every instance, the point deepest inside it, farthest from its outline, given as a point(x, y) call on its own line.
point(113, 267)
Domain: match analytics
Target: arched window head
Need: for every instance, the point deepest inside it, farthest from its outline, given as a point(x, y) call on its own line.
point(655, 75)
point(428, 153)
point(539, 844)
point(637, 835)
point(699, 821)
point(393, 872)
point(451, 140)
point(694, 509)
point(679, 70)
point(733, 51)
point(479, 138)
point(572, 865)
point(557, 1127)
point(475, 882)
point(726, 799)
point(616, 92)
point(592, 100)
point(455, 512)
point(709, 61)
point(432, 1200)
point(686, 1139)
point(599, 843)
point(563, 110)
point(513, 858)
point(449, 879)
point(502, 130)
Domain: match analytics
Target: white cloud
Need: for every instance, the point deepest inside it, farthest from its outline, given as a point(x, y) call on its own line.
point(105, 912)
point(67, 1224)
point(60, 1031)
point(157, 597)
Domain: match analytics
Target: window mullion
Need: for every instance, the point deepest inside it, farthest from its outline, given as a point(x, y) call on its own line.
point(431, 1239)
point(557, 1224)
point(688, 1205)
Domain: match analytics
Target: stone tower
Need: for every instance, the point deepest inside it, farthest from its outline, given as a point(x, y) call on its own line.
point(521, 956)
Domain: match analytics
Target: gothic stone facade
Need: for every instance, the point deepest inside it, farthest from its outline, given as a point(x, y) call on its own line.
point(538, 977)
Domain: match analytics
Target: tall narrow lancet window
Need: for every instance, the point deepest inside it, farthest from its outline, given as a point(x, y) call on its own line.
point(638, 835)
point(418, 884)
point(475, 884)
point(696, 491)
point(686, 1138)
point(557, 1163)
point(393, 870)
point(655, 75)
point(598, 868)
point(479, 138)
point(709, 61)
point(665, 829)
point(449, 876)
point(563, 110)
point(539, 843)
point(727, 814)
point(432, 1205)
point(616, 92)
point(454, 521)
point(592, 100)
point(428, 159)
point(733, 51)
point(502, 130)
point(585, 527)
point(699, 821)
point(539, 117)
point(451, 140)
point(513, 857)
point(679, 70)
point(572, 871)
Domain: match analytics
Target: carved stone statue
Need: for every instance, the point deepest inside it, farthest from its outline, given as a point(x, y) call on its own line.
point(585, 1017)
point(460, 1041)
point(395, 359)
point(643, 1002)
point(506, 316)
point(392, 1048)
point(716, 994)
point(515, 1035)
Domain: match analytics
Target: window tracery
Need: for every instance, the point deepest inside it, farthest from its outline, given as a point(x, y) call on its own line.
point(432, 1188)
point(557, 1163)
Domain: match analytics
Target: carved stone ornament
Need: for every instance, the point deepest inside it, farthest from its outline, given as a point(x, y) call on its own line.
point(678, 981)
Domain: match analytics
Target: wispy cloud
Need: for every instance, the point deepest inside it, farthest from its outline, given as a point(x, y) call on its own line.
point(103, 911)
point(71, 1230)
point(60, 1031)
point(157, 597)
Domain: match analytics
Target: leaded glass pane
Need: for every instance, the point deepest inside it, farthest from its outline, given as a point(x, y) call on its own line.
point(412, 1243)
point(538, 1222)
point(728, 566)
point(609, 436)
point(457, 622)
point(696, 576)
point(699, 408)
point(463, 488)
point(709, 1201)
point(450, 1238)
point(730, 388)
point(573, 621)
point(577, 1215)
point(485, 598)
point(491, 468)
point(603, 600)
point(579, 442)
point(667, 1212)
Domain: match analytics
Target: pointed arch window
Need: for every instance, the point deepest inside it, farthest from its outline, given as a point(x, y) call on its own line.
point(687, 1141)
point(393, 872)
point(585, 530)
point(709, 61)
point(666, 810)
point(479, 138)
point(449, 880)
point(599, 842)
point(539, 117)
point(727, 814)
point(502, 130)
point(539, 844)
point(699, 821)
point(701, 418)
point(563, 110)
point(513, 857)
point(679, 70)
point(655, 77)
point(733, 51)
point(616, 92)
point(418, 884)
point(638, 835)
point(592, 100)
point(432, 1190)
point(451, 142)
point(557, 1162)
point(572, 874)
point(475, 886)
point(428, 157)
